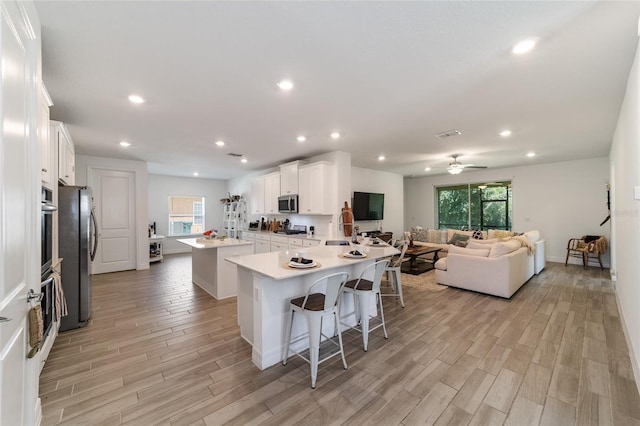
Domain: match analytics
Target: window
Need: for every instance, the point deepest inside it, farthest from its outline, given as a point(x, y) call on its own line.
point(186, 215)
point(475, 206)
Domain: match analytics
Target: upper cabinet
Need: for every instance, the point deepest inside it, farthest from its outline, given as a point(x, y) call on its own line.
point(66, 153)
point(45, 143)
point(257, 195)
point(265, 191)
point(316, 189)
point(289, 178)
point(271, 192)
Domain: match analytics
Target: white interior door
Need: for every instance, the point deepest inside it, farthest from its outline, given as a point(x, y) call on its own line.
point(114, 198)
point(16, 221)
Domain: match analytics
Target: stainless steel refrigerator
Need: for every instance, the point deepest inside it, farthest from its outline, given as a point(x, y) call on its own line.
point(77, 243)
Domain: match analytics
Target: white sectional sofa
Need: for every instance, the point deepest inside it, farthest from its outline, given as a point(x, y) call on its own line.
point(473, 269)
point(439, 238)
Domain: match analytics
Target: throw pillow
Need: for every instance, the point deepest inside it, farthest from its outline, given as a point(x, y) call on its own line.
point(421, 235)
point(500, 249)
point(433, 236)
point(458, 238)
point(468, 251)
point(477, 235)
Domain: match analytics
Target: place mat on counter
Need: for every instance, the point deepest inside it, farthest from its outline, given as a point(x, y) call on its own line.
point(286, 266)
point(341, 255)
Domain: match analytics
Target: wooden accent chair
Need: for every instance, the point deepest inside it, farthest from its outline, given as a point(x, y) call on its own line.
point(588, 247)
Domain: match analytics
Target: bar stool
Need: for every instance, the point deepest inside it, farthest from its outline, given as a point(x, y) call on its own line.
point(362, 290)
point(394, 270)
point(314, 306)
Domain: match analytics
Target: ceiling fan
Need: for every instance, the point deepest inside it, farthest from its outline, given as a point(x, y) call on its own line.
point(456, 167)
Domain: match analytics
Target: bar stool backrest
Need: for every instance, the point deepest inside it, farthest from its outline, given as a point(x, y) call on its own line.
point(379, 267)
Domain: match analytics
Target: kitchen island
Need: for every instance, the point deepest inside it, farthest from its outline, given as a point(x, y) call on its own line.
point(266, 284)
point(208, 268)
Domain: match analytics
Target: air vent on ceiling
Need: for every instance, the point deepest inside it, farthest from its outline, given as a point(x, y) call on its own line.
point(233, 154)
point(448, 134)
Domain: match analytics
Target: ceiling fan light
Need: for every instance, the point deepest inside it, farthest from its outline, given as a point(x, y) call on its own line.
point(455, 169)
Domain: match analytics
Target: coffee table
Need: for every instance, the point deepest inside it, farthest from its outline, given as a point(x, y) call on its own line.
point(415, 268)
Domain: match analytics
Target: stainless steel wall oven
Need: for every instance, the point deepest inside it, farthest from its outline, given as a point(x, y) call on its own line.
point(46, 231)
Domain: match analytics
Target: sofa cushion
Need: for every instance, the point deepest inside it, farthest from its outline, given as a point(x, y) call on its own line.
point(502, 248)
point(483, 243)
point(459, 240)
point(483, 252)
point(441, 264)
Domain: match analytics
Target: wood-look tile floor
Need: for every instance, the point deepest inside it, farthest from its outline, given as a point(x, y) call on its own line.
point(159, 350)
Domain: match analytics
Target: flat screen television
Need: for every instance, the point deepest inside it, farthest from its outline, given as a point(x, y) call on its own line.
point(368, 206)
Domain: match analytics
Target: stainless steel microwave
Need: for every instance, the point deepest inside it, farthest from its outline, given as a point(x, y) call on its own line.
point(288, 204)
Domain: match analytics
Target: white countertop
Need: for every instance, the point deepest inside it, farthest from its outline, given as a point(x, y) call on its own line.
point(271, 264)
point(199, 243)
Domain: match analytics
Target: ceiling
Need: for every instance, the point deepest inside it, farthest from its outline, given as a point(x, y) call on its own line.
point(387, 75)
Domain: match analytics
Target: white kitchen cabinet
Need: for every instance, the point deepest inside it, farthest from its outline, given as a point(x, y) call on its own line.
point(265, 191)
point(66, 153)
point(45, 142)
point(257, 195)
point(316, 189)
point(310, 243)
point(263, 243)
point(271, 192)
point(289, 178)
point(279, 243)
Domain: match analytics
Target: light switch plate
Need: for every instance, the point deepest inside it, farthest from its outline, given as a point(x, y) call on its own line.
point(636, 192)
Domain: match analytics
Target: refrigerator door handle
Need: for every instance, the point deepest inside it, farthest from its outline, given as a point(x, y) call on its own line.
point(94, 222)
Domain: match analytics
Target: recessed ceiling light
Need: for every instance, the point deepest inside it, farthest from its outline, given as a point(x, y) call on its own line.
point(136, 99)
point(381, 158)
point(195, 173)
point(335, 135)
point(125, 143)
point(301, 138)
point(482, 186)
point(524, 46)
point(531, 154)
point(285, 85)
point(505, 133)
point(220, 143)
point(244, 160)
point(427, 169)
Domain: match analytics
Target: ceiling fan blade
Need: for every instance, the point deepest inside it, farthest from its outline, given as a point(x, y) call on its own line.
point(475, 167)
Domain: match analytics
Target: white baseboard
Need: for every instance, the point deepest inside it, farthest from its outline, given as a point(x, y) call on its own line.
point(635, 361)
point(572, 261)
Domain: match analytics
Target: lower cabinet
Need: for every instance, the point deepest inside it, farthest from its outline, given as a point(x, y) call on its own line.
point(263, 243)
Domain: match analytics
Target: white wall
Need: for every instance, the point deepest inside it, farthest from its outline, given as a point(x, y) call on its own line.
point(139, 168)
point(161, 187)
point(562, 200)
point(392, 186)
point(625, 176)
